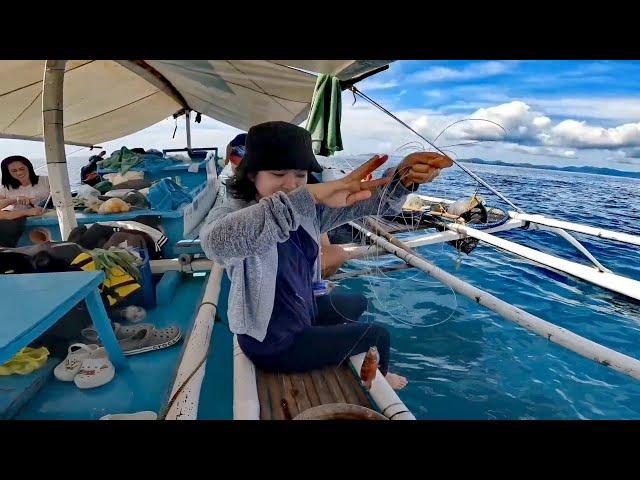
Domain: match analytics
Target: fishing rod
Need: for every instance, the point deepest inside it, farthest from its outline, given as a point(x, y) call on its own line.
point(562, 233)
point(465, 169)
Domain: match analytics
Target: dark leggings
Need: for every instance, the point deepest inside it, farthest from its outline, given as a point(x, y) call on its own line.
point(332, 339)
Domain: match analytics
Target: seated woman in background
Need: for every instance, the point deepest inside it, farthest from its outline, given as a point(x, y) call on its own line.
point(20, 183)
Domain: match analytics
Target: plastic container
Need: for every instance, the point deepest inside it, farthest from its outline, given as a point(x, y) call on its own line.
point(340, 411)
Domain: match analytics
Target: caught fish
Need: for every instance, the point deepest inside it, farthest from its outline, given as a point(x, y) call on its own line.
point(369, 367)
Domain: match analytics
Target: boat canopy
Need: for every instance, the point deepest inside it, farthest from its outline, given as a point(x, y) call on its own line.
point(109, 99)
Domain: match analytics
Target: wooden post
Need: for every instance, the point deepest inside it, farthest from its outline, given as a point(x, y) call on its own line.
point(53, 134)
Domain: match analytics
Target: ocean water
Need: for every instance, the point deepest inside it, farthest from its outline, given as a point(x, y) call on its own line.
point(466, 362)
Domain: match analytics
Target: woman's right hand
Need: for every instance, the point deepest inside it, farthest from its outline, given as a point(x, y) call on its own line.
point(350, 189)
point(5, 202)
point(35, 211)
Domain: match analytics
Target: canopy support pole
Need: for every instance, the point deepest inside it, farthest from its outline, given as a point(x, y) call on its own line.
point(187, 118)
point(53, 134)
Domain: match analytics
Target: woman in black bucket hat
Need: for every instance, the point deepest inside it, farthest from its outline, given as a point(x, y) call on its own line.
point(266, 236)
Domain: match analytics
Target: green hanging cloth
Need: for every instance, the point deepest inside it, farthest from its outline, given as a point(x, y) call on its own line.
point(324, 116)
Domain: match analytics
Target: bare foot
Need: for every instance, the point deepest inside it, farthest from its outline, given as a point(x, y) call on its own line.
point(397, 382)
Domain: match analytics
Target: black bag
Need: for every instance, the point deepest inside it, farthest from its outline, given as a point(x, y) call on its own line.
point(43, 258)
point(10, 231)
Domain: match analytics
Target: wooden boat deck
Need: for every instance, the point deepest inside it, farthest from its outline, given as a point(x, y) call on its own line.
point(283, 396)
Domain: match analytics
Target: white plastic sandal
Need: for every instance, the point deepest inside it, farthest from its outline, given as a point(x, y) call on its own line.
point(66, 370)
point(96, 370)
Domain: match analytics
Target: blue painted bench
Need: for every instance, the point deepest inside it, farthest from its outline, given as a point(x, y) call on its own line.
point(17, 390)
point(33, 302)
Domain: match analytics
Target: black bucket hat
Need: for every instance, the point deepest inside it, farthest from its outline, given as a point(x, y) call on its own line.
point(279, 146)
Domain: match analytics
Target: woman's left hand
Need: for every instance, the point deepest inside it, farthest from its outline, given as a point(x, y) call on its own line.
point(422, 167)
point(350, 189)
point(24, 200)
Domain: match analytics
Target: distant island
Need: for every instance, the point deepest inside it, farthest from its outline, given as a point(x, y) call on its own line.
point(593, 170)
point(394, 159)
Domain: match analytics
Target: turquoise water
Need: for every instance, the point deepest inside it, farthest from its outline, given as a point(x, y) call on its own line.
point(477, 365)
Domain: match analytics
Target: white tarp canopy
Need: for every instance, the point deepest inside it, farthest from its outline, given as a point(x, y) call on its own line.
point(109, 99)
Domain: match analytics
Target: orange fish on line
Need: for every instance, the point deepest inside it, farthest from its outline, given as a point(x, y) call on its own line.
point(369, 367)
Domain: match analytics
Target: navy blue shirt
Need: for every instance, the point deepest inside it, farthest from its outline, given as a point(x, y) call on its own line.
point(294, 306)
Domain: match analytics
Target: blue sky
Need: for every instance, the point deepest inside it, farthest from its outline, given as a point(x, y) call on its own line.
point(554, 112)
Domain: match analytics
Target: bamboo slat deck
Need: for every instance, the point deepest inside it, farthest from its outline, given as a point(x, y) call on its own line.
point(283, 396)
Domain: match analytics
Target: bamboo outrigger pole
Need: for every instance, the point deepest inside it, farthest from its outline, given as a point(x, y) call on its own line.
point(580, 345)
point(576, 227)
point(608, 280)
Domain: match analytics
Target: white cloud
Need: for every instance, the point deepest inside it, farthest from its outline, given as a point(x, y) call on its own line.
point(525, 126)
point(517, 118)
point(630, 153)
point(579, 134)
point(629, 156)
point(618, 110)
point(471, 71)
point(366, 129)
point(377, 84)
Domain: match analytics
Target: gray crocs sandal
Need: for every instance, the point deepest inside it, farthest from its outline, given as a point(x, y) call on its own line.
point(121, 331)
point(148, 339)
